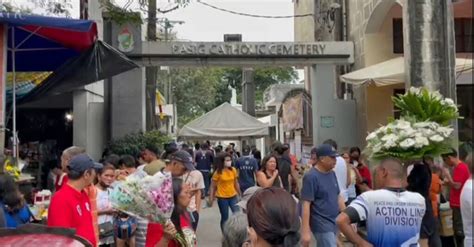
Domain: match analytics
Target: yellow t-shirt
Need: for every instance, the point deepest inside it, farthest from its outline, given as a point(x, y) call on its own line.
point(225, 182)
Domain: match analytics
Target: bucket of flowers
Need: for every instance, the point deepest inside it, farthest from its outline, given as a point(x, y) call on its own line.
point(12, 169)
point(424, 128)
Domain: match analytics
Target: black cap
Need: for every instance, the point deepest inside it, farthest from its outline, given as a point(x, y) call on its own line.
point(326, 150)
point(185, 158)
point(246, 149)
point(82, 162)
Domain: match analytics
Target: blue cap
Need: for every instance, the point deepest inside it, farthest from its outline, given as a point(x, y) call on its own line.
point(82, 162)
point(326, 150)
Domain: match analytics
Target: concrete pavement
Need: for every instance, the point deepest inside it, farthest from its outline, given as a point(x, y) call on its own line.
point(209, 232)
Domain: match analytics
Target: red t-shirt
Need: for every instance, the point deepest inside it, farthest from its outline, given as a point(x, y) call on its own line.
point(155, 233)
point(460, 175)
point(70, 208)
point(365, 174)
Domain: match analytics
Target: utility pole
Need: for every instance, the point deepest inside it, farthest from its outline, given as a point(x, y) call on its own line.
point(167, 26)
point(430, 55)
point(151, 72)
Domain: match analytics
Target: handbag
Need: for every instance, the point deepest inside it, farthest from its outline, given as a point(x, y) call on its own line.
point(106, 229)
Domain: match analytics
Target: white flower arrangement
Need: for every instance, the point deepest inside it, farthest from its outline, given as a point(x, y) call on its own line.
point(424, 127)
point(406, 140)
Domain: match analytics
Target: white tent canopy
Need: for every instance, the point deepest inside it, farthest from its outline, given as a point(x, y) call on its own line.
point(224, 123)
point(392, 72)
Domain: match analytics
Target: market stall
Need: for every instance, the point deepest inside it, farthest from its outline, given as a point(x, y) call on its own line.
point(67, 55)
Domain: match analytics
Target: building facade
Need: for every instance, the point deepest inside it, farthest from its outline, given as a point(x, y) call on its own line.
point(376, 29)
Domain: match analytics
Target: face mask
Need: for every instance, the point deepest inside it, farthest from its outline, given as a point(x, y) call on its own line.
point(228, 163)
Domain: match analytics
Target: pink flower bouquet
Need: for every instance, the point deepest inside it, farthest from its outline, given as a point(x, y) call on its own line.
point(149, 197)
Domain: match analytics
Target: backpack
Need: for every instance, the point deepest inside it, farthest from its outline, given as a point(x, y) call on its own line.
point(125, 226)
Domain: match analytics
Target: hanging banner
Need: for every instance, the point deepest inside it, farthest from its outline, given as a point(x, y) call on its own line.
point(293, 113)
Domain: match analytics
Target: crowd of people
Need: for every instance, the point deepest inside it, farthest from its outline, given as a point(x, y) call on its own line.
point(274, 200)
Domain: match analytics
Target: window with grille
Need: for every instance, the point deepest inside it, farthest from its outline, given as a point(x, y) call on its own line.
point(463, 29)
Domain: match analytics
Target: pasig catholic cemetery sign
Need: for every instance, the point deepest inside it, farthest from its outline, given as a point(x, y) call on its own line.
point(244, 53)
point(249, 49)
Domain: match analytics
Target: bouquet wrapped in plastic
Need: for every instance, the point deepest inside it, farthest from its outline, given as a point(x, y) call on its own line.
point(141, 195)
point(148, 197)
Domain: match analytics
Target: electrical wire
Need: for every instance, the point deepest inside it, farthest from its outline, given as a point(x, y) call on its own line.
point(253, 15)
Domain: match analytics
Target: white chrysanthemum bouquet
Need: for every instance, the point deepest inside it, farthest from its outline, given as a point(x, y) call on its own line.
point(424, 127)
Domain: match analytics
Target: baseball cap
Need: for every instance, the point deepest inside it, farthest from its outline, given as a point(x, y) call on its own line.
point(246, 149)
point(83, 162)
point(185, 158)
point(248, 193)
point(326, 150)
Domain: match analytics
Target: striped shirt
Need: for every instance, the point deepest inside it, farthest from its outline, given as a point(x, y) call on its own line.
point(140, 234)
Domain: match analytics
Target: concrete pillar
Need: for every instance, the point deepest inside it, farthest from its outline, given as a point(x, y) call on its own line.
point(248, 91)
point(322, 88)
point(88, 121)
point(79, 108)
point(128, 103)
point(125, 93)
point(332, 118)
point(429, 45)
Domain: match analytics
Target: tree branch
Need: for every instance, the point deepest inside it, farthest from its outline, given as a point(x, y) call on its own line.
point(168, 10)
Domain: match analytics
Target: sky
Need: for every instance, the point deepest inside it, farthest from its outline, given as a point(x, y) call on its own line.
point(202, 23)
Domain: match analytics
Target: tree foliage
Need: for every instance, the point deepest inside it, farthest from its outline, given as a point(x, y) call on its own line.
point(197, 91)
point(132, 144)
point(264, 77)
point(118, 12)
point(54, 7)
point(46, 7)
point(9, 7)
point(194, 91)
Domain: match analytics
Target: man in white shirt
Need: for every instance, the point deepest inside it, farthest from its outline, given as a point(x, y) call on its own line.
point(393, 214)
point(466, 205)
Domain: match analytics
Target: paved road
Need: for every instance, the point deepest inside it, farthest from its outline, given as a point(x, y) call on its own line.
point(209, 232)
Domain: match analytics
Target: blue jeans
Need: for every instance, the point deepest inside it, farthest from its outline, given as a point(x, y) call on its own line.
point(206, 175)
point(224, 205)
point(325, 239)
